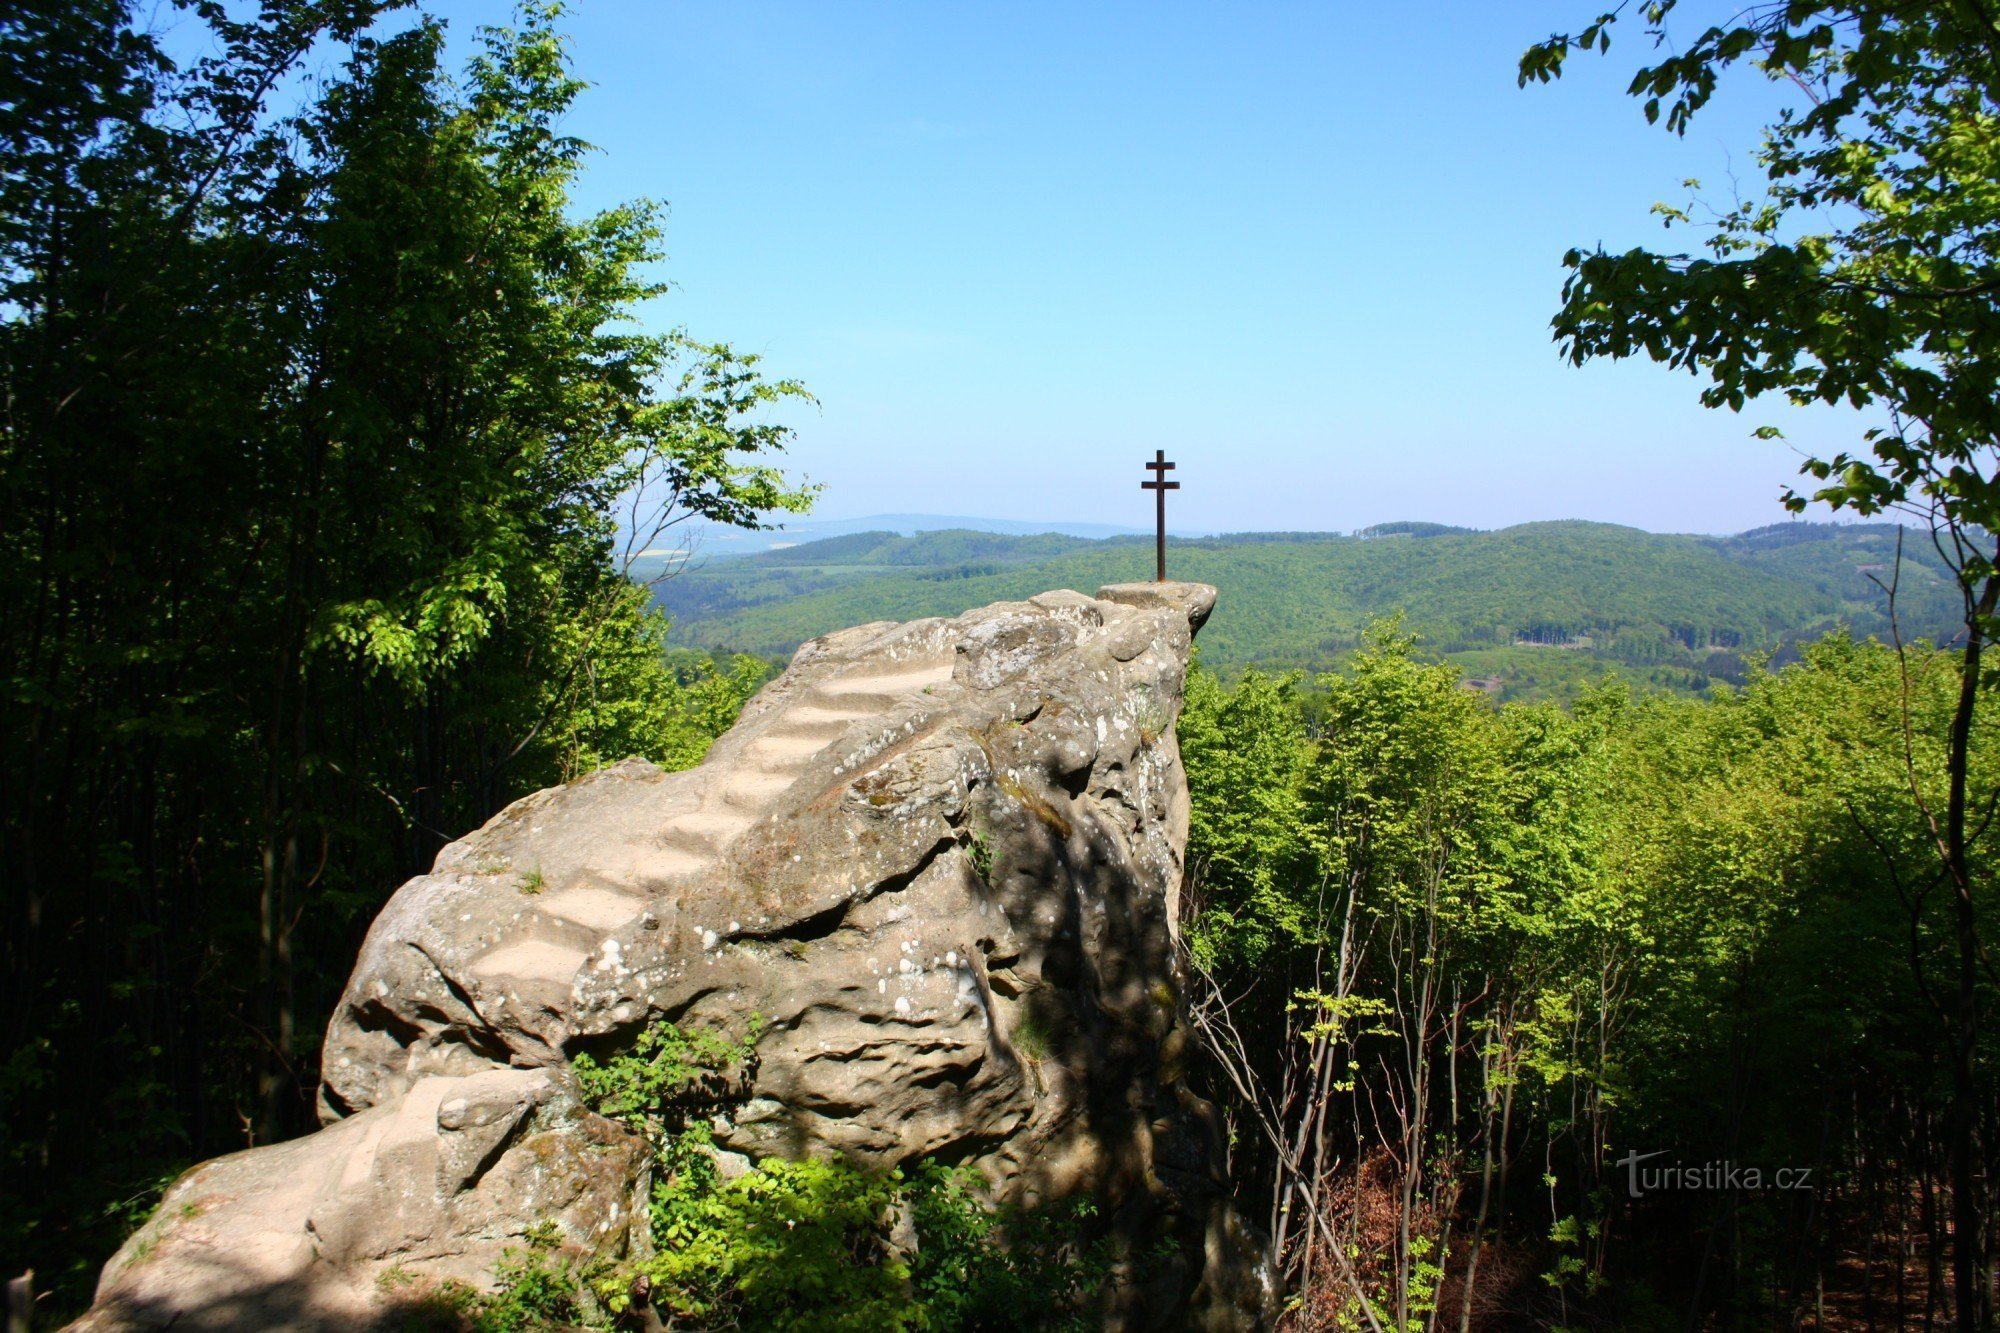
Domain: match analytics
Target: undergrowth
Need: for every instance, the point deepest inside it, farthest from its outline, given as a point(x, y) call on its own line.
point(789, 1246)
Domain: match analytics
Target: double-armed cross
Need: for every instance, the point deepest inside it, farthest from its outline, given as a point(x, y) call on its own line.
point(1159, 486)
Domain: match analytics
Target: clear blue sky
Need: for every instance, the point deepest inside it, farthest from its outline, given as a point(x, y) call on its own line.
point(1310, 250)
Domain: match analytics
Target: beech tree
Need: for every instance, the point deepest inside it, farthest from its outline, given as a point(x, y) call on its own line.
point(1460, 970)
point(323, 409)
point(1864, 272)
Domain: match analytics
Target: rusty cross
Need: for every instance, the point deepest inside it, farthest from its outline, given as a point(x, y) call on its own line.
point(1159, 486)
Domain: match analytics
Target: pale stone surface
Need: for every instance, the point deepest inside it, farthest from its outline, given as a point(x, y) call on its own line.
point(940, 859)
point(302, 1235)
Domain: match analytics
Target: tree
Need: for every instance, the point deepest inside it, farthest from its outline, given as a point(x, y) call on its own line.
point(322, 405)
point(1866, 272)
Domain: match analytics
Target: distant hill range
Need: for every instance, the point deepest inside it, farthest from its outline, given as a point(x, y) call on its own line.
point(1527, 611)
point(713, 540)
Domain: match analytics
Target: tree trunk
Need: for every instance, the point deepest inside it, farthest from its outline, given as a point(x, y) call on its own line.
point(1966, 1249)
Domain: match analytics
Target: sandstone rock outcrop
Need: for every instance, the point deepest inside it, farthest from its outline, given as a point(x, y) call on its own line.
point(939, 859)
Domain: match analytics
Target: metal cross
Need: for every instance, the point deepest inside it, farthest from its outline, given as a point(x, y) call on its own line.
point(1159, 485)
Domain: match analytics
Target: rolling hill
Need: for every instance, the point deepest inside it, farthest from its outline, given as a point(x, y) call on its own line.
point(1529, 610)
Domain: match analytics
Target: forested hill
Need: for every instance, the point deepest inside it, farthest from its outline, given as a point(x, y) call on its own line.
point(1529, 610)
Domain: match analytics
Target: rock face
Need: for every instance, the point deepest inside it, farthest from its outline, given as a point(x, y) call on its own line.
point(941, 860)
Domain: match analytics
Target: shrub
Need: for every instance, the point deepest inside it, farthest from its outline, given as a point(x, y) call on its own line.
point(803, 1246)
point(786, 1246)
point(668, 1075)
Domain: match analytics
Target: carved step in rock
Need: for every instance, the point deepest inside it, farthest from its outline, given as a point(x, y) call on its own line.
point(596, 909)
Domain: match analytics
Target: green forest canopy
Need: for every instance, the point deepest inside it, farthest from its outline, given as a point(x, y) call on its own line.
point(323, 421)
point(1665, 610)
point(1501, 950)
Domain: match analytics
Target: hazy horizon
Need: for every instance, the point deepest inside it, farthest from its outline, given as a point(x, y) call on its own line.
point(720, 541)
point(1058, 523)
